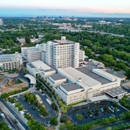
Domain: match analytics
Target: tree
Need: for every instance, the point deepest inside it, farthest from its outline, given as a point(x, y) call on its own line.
point(79, 116)
point(27, 40)
point(106, 121)
point(54, 121)
point(54, 106)
point(11, 100)
point(3, 126)
point(106, 108)
point(69, 125)
point(115, 104)
point(109, 128)
point(4, 95)
point(17, 104)
point(20, 108)
point(33, 125)
point(112, 119)
point(90, 112)
point(43, 111)
point(63, 126)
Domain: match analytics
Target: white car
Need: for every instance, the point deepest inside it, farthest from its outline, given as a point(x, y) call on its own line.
point(2, 114)
point(10, 127)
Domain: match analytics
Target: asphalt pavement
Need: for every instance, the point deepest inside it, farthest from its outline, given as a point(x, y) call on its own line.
point(35, 113)
point(15, 114)
point(86, 118)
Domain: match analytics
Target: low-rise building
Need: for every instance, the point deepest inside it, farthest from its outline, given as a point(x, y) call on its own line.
point(31, 53)
point(94, 81)
point(56, 79)
point(71, 93)
point(10, 61)
point(39, 67)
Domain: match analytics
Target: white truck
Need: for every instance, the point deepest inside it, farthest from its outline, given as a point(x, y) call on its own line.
point(49, 102)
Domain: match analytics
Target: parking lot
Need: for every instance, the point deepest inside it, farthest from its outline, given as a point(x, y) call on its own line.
point(91, 112)
point(34, 112)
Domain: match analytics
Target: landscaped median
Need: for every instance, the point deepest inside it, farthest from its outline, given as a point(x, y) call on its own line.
point(6, 95)
point(32, 99)
point(125, 101)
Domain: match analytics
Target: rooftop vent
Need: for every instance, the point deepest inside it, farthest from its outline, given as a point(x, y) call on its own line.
point(80, 80)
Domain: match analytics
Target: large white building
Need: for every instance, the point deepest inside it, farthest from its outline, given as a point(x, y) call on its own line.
point(57, 53)
point(60, 63)
point(63, 53)
point(10, 61)
point(93, 83)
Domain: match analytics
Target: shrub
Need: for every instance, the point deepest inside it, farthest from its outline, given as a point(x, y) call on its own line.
point(79, 116)
point(17, 104)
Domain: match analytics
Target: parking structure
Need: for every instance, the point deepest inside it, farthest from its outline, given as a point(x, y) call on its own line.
point(94, 111)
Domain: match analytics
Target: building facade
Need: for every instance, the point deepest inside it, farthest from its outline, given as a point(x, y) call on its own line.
point(57, 53)
point(10, 61)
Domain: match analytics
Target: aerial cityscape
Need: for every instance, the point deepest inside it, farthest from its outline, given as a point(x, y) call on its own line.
point(64, 65)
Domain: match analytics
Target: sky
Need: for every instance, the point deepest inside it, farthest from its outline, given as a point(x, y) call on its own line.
point(64, 7)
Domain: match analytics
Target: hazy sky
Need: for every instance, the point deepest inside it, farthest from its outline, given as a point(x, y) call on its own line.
point(106, 6)
point(89, 8)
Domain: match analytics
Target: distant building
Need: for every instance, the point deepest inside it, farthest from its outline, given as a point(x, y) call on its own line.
point(10, 61)
point(21, 40)
point(1, 22)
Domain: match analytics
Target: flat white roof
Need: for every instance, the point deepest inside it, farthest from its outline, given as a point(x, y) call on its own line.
point(75, 75)
point(41, 65)
point(32, 79)
point(99, 98)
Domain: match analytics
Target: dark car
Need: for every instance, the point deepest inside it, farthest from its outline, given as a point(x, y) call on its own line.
point(33, 108)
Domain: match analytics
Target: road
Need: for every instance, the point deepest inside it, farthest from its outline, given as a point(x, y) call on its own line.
point(112, 34)
point(23, 124)
point(7, 121)
point(112, 125)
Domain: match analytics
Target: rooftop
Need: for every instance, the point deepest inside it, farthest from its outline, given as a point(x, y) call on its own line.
point(32, 79)
point(57, 77)
point(105, 74)
point(9, 57)
point(79, 77)
point(89, 72)
point(98, 98)
point(120, 74)
point(114, 92)
point(126, 85)
point(31, 66)
point(70, 87)
point(41, 65)
point(6, 57)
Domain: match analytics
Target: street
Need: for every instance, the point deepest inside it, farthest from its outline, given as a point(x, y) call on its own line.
point(13, 115)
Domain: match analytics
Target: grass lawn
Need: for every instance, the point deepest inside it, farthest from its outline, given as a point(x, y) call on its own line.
point(18, 81)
